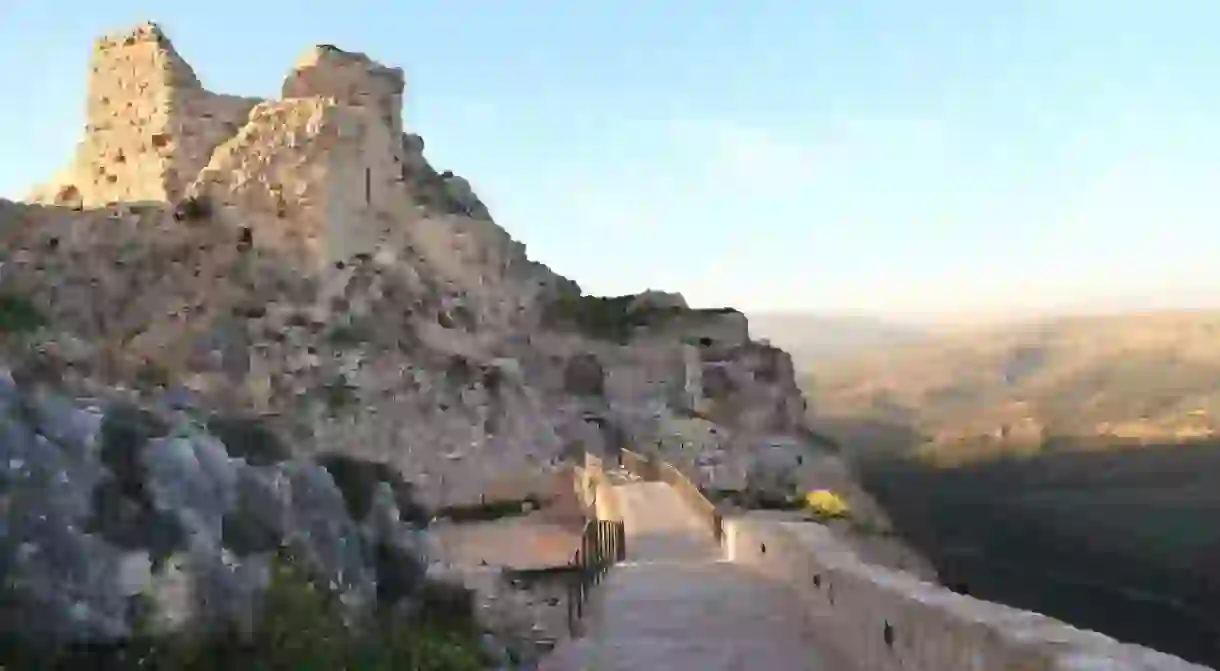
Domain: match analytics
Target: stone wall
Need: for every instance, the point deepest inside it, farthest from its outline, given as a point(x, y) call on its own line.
point(307, 177)
point(713, 331)
point(596, 494)
point(327, 158)
point(352, 79)
point(888, 620)
point(150, 125)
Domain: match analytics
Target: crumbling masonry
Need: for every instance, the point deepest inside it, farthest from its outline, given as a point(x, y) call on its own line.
point(317, 174)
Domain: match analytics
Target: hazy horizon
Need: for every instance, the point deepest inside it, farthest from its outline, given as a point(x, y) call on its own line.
point(1118, 306)
point(937, 161)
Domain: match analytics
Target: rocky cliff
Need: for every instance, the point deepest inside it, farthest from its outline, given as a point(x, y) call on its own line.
point(300, 259)
point(297, 264)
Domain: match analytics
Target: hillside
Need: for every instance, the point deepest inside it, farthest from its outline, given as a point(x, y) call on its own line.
point(1135, 377)
point(1119, 537)
point(289, 283)
point(1122, 541)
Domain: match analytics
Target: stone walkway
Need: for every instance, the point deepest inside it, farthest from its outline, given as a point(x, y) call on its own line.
point(676, 604)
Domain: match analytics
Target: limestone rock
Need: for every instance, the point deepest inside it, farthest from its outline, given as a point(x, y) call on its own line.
point(658, 300)
point(299, 259)
point(103, 505)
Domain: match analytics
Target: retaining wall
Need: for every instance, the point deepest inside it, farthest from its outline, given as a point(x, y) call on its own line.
point(888, 620)
point(595, 493)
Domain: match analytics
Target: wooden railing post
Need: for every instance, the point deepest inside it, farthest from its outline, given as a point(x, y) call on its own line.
point(621, 528)
point(602, 544)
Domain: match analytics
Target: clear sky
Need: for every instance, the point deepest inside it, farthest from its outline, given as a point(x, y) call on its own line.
point(887, 157)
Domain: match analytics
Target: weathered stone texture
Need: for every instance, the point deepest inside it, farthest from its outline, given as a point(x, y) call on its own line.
point(883, 619)
point(308, 177)
point(106, 501)
point(301, 258)
point(150, 125)
point(352, 79)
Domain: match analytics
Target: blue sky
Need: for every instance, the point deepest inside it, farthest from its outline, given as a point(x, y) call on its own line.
point(891, 157)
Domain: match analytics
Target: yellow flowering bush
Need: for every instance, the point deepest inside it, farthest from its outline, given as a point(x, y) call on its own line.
point(825, 504)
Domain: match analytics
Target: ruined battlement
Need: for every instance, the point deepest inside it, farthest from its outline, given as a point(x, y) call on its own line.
point(150, 125)
point(318, 173)
point(353, 79)
point(146, 52)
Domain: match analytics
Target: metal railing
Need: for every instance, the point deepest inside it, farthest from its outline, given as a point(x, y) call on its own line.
point(603, 543)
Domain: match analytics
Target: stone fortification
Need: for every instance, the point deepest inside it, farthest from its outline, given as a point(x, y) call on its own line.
point(317, 174)
point(298, 262)
point(150, 125)
point(285, 250)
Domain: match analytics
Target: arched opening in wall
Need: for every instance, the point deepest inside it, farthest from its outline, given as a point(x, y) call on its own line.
point(705, 342)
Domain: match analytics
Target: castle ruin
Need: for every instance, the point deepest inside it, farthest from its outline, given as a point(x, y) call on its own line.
point(317, 174)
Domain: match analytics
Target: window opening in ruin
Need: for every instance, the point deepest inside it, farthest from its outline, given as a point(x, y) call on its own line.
point(368, 186)
point(705, 341)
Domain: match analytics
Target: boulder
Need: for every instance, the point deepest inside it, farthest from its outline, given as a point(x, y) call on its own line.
point(106, 504)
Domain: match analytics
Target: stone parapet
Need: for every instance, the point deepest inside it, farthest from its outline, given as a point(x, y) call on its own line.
point(888, 620)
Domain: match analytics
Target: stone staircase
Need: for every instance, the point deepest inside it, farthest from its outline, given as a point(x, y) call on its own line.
point(677, 603)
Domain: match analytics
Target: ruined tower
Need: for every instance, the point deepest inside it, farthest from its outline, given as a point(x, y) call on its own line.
point(317, 175)
point(150, 124)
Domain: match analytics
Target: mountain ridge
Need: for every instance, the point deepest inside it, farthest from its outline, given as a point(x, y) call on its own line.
point(1142, 375)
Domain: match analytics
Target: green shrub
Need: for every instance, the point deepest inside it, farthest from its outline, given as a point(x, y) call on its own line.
point(249, 438)
point(18, 315)
point(489, 510)
point(349, 333)
point(338, 394)
point(603, 317)
point(301, 628)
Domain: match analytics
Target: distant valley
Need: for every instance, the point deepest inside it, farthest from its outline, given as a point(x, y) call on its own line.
point(1124, 378)
point(1069, 466)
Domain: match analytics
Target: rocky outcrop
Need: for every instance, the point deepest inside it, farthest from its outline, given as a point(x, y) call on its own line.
point(108, 505)
point(310, 265)
point(298, 260)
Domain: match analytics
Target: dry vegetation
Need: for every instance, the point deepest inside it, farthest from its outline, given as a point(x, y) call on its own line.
point(1120, 538)
point(1147, 376)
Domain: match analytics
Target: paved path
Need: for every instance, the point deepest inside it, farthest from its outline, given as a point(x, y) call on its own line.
point(677, 605)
